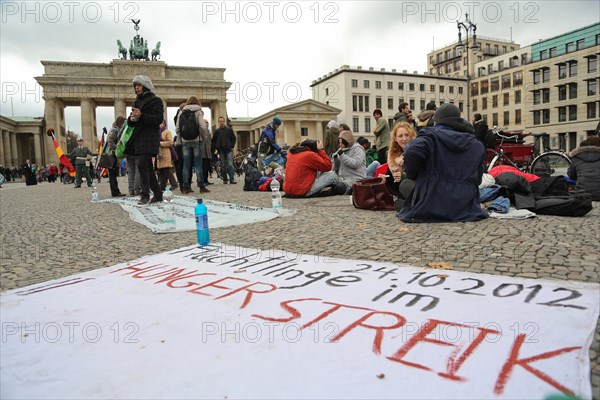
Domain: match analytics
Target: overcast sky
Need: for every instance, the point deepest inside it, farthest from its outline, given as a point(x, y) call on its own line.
point(271, 50)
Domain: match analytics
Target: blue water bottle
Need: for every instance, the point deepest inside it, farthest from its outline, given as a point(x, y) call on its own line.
point(202, 223)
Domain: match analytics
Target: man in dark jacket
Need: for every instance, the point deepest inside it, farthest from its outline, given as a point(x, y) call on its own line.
point(585, 166)
point(224, 142)
point(481, 128)
point(146, 117)
point(446, 163)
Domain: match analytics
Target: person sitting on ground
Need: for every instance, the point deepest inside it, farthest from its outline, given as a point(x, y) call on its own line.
point(370, 154)
point(446, 163)
point(268, 142)
point(349, 160)
point(396, 182)
point(330, 143)
point(308, 170)
point(425, 116)
point(585, 166)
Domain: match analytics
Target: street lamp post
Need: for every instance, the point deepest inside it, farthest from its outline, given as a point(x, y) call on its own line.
point(469, 27)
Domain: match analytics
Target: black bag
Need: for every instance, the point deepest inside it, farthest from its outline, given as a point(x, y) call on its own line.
point(251, 178)
point(576, 204)
point(106, 161)
point(550, 186)
point(188, 125)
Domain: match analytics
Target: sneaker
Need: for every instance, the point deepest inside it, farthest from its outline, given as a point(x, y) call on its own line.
point(208, 183)
point(156, 199)
point(143, 201)
point(203, 189)
point(224, 182)
point(232, 182)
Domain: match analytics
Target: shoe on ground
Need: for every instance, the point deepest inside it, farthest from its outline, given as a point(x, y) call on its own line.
point(185, 190)
point(208, 183)
point(156, 199)
point(203, 189)
point(225, 182)
point(143, 201)
point(119, 195)
point(77, 187)
point(233, 183)
point(174, 187)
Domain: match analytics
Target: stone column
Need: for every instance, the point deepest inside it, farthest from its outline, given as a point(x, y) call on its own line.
point(13, 149)
point(3, 147)
point(319, 130)
point(165, 112)
point(297, 134)
point(37, 148)
point(50, 115)
point(120, 108)
point(88, 122)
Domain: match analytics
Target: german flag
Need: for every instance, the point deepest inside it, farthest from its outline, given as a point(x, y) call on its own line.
point(63, 159)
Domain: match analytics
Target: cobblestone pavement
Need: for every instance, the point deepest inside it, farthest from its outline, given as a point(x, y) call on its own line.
point(53, 230)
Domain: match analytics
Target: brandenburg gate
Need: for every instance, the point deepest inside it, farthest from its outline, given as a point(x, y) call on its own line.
point(90, 85)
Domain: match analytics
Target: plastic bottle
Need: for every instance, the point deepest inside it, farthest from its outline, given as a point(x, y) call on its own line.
point(276, 199)
point(202, 223)
point(169, 217)
point(95, 197)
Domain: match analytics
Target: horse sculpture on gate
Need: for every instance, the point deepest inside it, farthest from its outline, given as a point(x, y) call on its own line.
point(156, 52)
point(138, 47)
point(122, 51)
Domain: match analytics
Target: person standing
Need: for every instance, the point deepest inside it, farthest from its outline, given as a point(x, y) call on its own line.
point(82, 157)
point(480, 127)
point(381, 130)
point(402, 114)
point(146, 115)
point(190, 129)
point(224, 142)
point(111, 144)
point(164, 162)
point(330, 143)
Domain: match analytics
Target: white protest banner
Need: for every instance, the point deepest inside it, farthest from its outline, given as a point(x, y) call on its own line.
point(228, 322)
point(220, 214)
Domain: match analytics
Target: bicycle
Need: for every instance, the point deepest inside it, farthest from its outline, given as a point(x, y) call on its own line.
point(530, 158)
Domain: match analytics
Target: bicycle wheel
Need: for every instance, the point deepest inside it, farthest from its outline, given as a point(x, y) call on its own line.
point(551, 163)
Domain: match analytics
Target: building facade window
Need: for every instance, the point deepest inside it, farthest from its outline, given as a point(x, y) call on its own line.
point(517, 78)
point(506, 119)
point(303, 131)
point(572, 113)
point(592, 88)
point(505, 81)
point(573, 69)
point(517, 117)
point(591, 110)
point(460, 106)
point(536, 117)
point(517, 97)
point(484, 103)
point(390, 85)
point(592, 64)
point(545, 95)
point(354, 83)
point(537, 77)
point(432, 88)
point(562, 71)
point(475, 89)
point(354, 103)
point(569, 47)
point(355, 124)
point(506, 99)
point(484, 87)
point(546, 75)
point(562, 114)
point(474, 104)
point(572, 90)
point(495, 119)
point(378, 102)
point(377, 84)
point(400, 85)
point(536, 97)
point(495, 84)
point(366, 84)
point(580, 44)
point(411, 87)
point(450, 89)
point(367, 124)
point(460, 90)
point(495, 101)
point(562, 92)
point(543, 54)
point(422, 104)
point(390, 102)
point(545, 116)
point(553, 52)
point(411, 104)
point(421, 87)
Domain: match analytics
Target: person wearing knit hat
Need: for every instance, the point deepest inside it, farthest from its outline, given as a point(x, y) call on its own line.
point(147, 113)
point(268, 143)
point(425, 117)
point(330, 140)
point(349, 160)
point(446, 162)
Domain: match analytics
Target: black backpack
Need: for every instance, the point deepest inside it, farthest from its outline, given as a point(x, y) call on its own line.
point(188, 125)
point(252, 178)
point(576, 204)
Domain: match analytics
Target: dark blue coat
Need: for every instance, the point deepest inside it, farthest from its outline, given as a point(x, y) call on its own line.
point(446, 161)
point(145, 139)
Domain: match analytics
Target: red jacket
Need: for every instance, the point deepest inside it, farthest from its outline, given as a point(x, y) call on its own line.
point(301, 170)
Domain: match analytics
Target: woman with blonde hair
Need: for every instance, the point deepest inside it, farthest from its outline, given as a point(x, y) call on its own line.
point(402, 134)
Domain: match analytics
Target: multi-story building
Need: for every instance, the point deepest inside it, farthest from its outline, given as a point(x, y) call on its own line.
point(451, 60)
point(550, 86)
point(357, 92)
point(562, 84)
point(498, 91)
